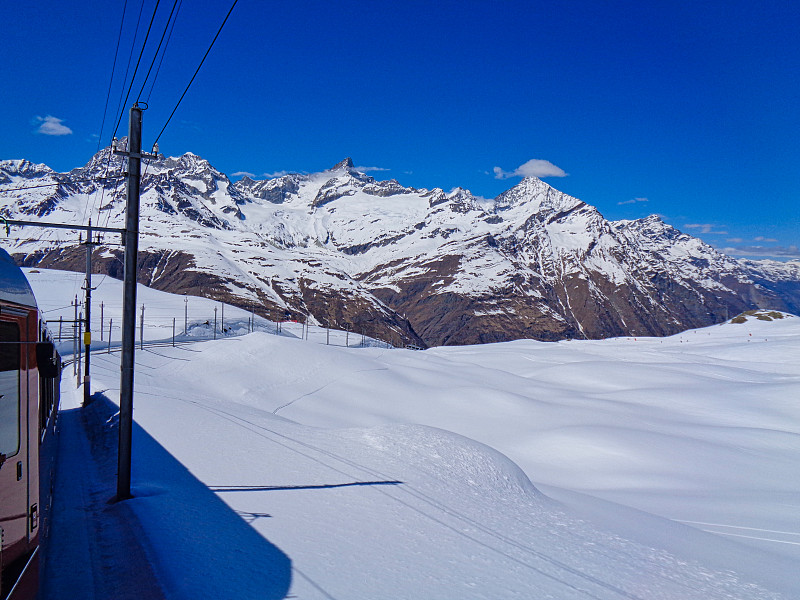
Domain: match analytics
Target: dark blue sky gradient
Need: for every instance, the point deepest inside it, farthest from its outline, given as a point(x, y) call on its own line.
point(692, 105)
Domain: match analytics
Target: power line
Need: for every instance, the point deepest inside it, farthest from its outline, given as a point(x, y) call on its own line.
point(105, 110)
point(197, 71)
point(158, 48)
point(33, 187)
point(128, 68)
point(138, 62)
point(164, 53)
point(111, 79)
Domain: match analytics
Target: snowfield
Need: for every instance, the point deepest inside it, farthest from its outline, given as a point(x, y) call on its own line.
point(270, 466)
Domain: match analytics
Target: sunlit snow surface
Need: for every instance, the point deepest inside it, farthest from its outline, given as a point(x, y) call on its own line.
point(379, 473)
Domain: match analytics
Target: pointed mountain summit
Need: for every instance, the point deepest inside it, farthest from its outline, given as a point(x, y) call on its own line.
point(410, 266)
point(346, 164)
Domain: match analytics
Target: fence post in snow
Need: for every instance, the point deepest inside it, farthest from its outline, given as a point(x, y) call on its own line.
point(222, 321)
point(110, 321)
point(215, 322)
point(141, 330)
point(102, 323)
point(173, 331)
point(60, 324)
point(185, 314)
point(347, 337)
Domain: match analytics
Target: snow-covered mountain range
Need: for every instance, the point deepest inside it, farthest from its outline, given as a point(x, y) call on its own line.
point(426, 267)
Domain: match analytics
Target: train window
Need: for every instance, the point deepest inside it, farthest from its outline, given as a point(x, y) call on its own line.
point(9, 388)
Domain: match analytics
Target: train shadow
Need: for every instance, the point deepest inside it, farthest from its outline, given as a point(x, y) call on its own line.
point(196, 544)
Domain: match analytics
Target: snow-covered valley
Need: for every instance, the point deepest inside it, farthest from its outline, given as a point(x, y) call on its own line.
point(639, 468)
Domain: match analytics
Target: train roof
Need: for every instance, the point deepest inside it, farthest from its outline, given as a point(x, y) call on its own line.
point(14, 286)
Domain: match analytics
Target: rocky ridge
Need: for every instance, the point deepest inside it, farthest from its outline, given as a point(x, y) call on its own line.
point(413, 266)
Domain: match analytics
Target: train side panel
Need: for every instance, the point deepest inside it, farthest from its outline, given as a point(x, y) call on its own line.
point(19, 449)
point(29, 399)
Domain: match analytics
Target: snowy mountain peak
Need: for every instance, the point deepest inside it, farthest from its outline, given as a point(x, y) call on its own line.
point(536, 196)
point(344, 248)
point(22, 168)
point(346, 164)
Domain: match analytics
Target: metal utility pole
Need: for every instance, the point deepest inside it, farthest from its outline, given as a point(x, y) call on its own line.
point(134, 155)
point(79, 327)
point(87, 336)
point(75, 339)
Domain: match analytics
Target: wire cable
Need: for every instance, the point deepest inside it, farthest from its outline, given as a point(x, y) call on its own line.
point(158, 49)
point(197, 71)
point(111, 79)
point(163, 54)
point(105, 110)
point(33, 187)
point(128, 68)
point(138, 62)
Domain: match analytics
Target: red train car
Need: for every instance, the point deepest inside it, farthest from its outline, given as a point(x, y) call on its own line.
point(29, 394)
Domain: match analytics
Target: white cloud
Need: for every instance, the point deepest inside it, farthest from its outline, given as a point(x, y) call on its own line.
point(243, 174)
point(536, 167)
point(735, 240)
point(779, 252)
point(761, 238)
point(51, 125)
point(633, 201)
point(704, 228)
point(275, 174)
point(368, 169)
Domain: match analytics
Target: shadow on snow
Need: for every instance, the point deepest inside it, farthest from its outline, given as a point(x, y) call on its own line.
point(175, 538)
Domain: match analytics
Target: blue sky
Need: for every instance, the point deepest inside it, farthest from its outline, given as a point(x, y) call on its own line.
point(685, 109)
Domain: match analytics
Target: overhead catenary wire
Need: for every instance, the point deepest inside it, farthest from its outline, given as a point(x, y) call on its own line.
point(105, 110)
point(158, 137)
point(111, 79)
point(164, 52)
point(128, 68)
point(136, 69)
point(158, 49)
point(43, 185)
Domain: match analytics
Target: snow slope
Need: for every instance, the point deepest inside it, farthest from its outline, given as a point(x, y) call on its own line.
point(400, 474)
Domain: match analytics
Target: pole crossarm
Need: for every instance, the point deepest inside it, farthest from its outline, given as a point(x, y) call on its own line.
point(63, 226)
point(139, 155)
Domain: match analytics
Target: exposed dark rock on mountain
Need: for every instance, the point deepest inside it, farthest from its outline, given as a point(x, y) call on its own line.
point(424, 267)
